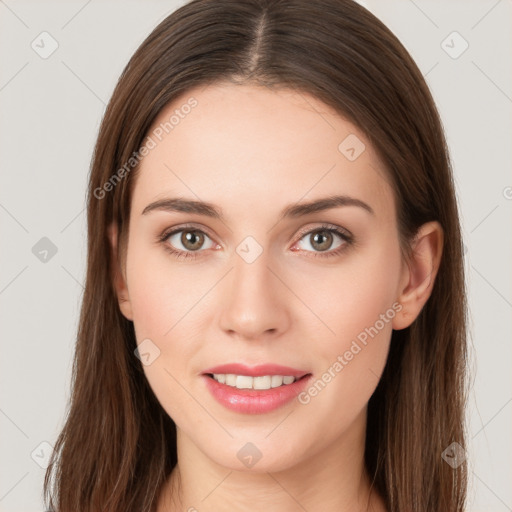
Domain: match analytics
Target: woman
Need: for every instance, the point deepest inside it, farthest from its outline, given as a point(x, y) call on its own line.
point(274, 310)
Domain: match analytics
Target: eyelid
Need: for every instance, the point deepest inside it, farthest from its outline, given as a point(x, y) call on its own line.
point(326, 226)
point(181, 227)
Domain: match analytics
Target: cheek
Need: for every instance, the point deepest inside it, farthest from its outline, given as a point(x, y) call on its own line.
point(350, 297)
point(170, 309)
point(162, 293)
point(357, 303)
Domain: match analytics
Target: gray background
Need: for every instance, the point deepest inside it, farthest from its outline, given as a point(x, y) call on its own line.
point(50, 113)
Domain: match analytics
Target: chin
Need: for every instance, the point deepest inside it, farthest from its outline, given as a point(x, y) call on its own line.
point(257, 456)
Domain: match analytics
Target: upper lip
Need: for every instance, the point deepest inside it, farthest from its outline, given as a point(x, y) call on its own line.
point(256, 371)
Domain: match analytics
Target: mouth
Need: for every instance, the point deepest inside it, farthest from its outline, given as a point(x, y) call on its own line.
point(263, 376)
point(259, 389)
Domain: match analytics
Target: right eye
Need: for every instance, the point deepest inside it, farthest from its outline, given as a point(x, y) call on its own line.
point(190, 239)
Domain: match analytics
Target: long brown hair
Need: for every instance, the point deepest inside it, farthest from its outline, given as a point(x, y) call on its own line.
point(118, 445)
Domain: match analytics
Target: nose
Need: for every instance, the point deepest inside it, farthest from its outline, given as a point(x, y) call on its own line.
point(254, 300)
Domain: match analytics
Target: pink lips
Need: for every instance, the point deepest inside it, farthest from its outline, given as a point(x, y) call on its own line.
point(256, 371)
point(252, 401)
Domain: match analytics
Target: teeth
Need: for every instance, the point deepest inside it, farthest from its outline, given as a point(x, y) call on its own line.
point(277, 380)
point(247, 382)
point(288, 380)
point(243, 382)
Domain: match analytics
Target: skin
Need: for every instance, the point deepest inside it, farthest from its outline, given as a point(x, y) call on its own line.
point(252, 151)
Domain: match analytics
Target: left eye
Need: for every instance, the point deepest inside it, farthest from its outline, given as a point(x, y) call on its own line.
point(321, 239)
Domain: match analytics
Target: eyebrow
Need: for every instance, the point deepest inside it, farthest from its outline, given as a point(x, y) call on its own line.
point(291, 211)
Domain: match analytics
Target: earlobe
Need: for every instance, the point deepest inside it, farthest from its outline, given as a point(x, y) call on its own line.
point(419, 273)
point(118, 278)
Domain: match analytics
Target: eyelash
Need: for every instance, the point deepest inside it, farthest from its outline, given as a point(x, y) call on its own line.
point(331, 228)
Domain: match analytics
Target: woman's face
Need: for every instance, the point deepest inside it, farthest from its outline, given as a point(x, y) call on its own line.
point(263, 281)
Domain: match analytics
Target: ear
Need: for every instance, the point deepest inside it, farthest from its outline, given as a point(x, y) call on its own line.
point(118, 275)
point(419, 273)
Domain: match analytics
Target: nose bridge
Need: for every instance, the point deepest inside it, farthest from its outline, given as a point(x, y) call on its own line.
point(252, 273)
point(252, 264)
point(253, 304)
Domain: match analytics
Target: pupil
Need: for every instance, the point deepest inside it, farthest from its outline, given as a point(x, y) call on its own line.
point(191, 238)
point(323, 239)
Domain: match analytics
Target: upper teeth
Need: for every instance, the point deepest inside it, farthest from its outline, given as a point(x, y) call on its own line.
point(247, 382)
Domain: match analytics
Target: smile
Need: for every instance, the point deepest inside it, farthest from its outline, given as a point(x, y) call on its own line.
point(248, 382)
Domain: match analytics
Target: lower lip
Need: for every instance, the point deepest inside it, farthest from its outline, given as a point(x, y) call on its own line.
point(252, 401)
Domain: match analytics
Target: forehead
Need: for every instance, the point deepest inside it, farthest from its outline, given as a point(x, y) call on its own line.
point(244, 143)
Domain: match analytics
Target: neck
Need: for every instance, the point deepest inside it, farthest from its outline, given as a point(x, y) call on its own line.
point(334, 479)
